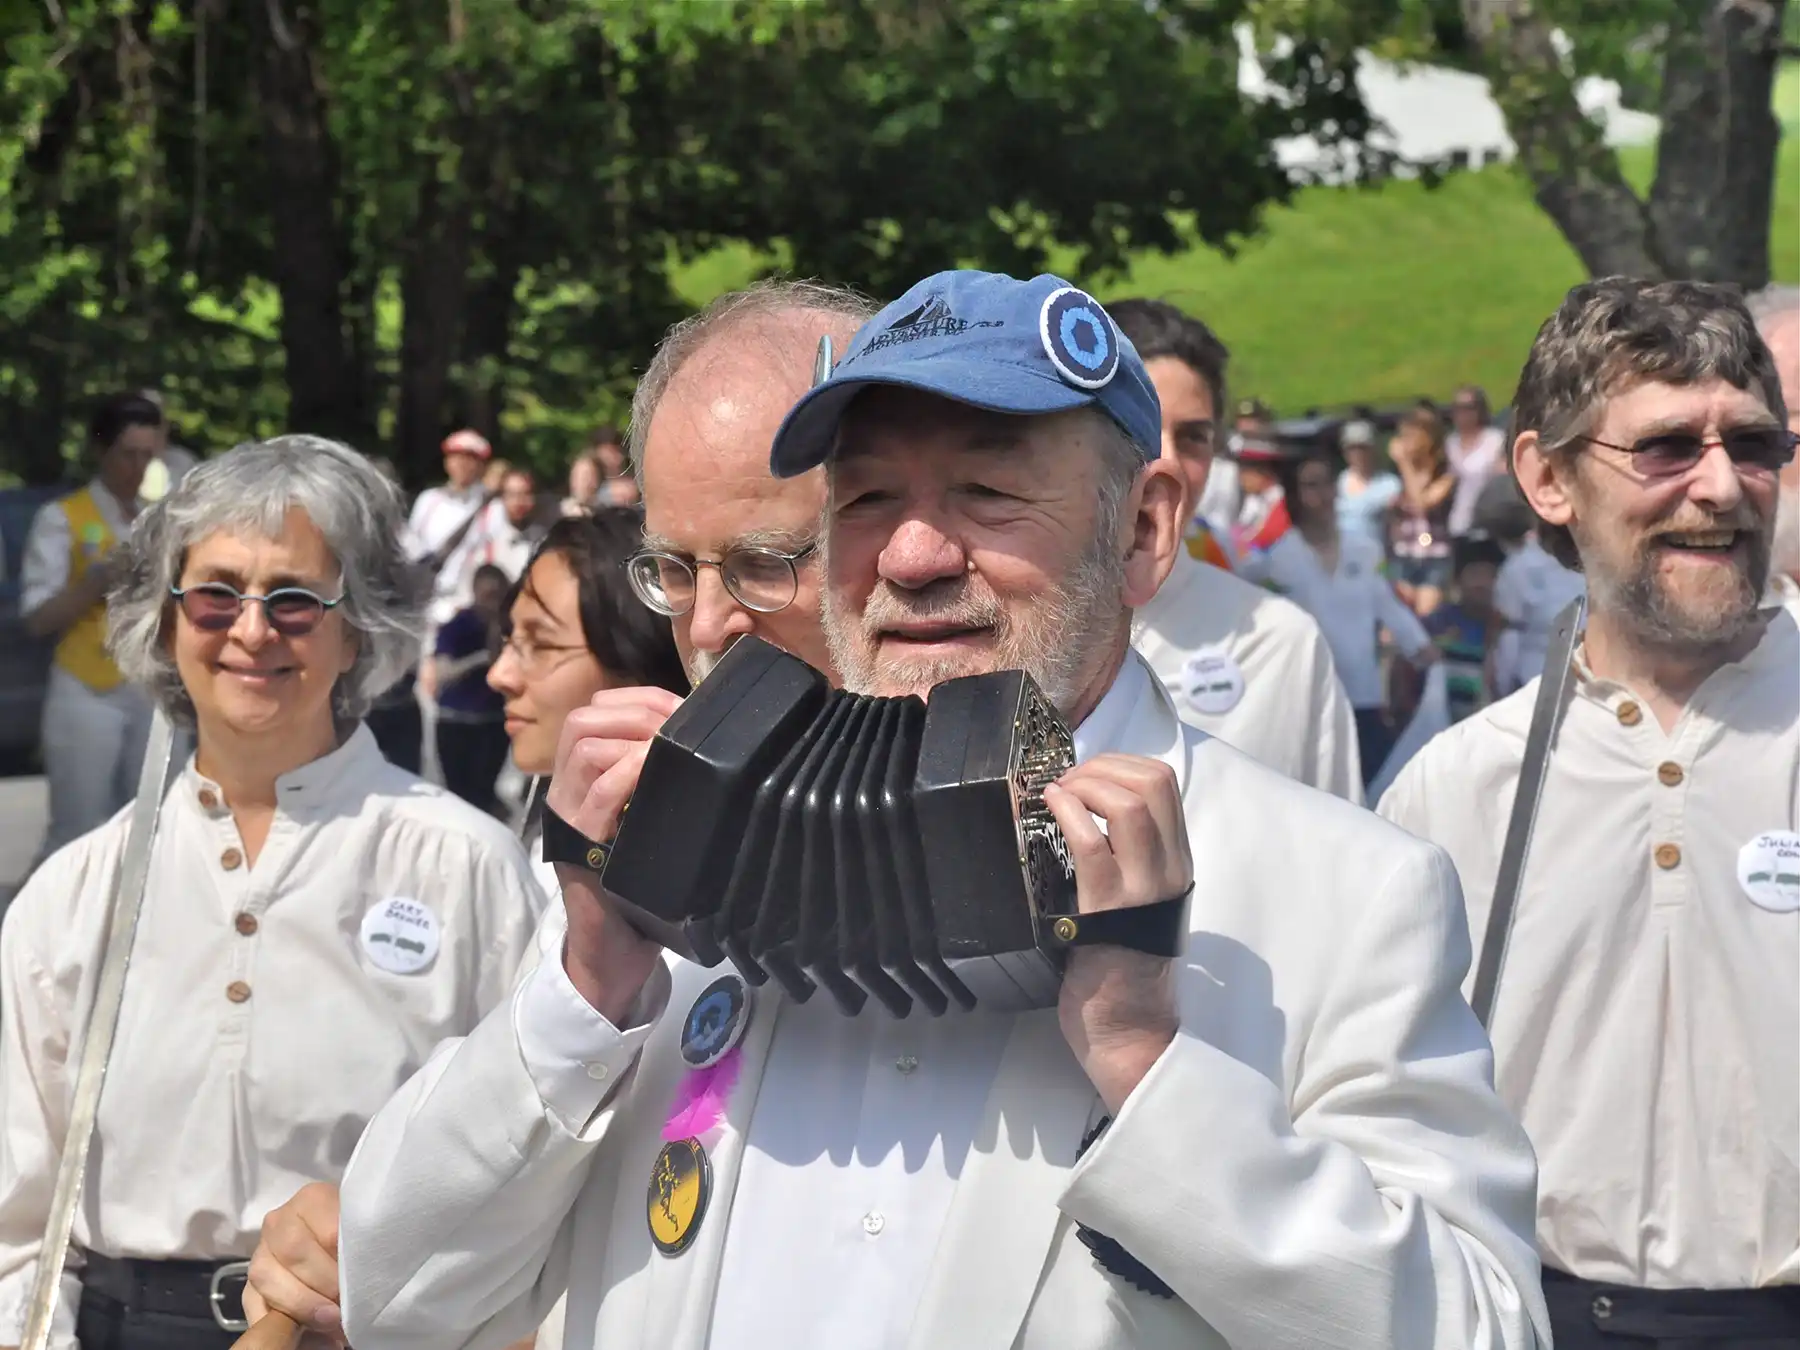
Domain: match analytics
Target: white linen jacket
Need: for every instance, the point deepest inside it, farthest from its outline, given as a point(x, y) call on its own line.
point(1318, 1160)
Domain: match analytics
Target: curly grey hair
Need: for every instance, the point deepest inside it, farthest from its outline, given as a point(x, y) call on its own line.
point(735, 309)
point(251, 490)
point(1607, 335)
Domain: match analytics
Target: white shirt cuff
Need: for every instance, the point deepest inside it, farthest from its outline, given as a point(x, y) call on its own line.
point(575, 1056)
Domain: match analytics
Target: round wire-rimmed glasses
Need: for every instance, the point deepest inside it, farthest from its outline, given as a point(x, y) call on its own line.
point(762, 579)
point(214, 607)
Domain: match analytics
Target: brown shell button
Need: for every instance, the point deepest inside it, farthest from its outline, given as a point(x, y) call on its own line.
point(1667, 856)
point(238, 992)
point(231, 860)
point(1669, 773)
point(246, 924)
point(1630, 714)
point(208, 798)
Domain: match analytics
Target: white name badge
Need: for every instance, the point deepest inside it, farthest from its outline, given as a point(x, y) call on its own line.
point(1212, 681)
point(400, 935)
point(1769, 871)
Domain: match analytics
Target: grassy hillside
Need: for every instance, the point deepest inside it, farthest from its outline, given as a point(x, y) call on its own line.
point(1386, 293)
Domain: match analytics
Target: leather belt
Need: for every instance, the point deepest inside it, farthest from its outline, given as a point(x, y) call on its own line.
point(201, 1290)
point(1674, 1314)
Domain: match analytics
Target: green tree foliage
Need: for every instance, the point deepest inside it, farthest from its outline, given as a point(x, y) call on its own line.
point(380, 219)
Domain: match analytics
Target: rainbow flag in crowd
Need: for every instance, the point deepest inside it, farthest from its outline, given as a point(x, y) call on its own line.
point(1204, 546)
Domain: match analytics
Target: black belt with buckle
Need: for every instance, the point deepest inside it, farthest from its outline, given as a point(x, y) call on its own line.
point(1673, 1314)
point(198, 1289)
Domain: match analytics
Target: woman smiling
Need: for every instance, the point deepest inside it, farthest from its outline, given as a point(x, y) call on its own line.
point(316, 919)
point(574, 628)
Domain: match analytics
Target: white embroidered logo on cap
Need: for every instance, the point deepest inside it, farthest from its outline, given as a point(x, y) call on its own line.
point(1079, 338)
point(1212, 681)
point(1769, 871)
point(400, 935)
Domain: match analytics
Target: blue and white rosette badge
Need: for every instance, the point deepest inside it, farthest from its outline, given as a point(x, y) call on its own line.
point(1079, 338)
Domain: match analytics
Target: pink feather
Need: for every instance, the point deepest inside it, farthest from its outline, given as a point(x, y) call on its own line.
point(700, 1101)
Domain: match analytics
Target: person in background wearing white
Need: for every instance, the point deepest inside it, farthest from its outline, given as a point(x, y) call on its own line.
point(316, 919)
point(1777, 313)
point(95, 722)
point(584, 486)
point(1477, 451)
point(513, 535)
point(1365, 490)
point(1647, 1028)
point(1531, 589)
point(1338, 579)
point(440, 512)
point(1246, 666)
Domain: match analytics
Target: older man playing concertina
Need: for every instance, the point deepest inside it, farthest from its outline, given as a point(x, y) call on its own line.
point(1286, 1137)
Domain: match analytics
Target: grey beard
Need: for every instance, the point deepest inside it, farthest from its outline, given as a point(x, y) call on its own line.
point(1644, 606)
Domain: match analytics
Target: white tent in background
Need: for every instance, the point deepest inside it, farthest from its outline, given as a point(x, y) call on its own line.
point(1433, 114)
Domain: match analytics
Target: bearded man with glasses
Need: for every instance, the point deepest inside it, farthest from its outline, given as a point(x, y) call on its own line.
point(1647, 1028)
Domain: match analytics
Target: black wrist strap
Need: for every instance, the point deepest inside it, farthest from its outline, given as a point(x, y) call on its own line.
point(563, 843)
point(1157, 929)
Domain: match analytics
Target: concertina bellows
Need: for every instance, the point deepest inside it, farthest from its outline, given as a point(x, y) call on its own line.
point(895, 849)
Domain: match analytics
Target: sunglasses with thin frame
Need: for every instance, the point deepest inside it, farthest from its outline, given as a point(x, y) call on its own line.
point(1768, 448)
point(214, 607)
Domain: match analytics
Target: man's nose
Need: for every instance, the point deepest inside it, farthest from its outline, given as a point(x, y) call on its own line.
point(921, 551)
point(1716, 483)
point(717, 619)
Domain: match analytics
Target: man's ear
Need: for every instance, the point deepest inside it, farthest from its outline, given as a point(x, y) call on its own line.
point(1150, 533)
point(1544, 479)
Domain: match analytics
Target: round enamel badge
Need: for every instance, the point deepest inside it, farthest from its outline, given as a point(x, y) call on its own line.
point(716, 1022)
point(400, 935)
point(1769, 871)
point(1212, 681)
point(680, 1185)
point(1079, 338)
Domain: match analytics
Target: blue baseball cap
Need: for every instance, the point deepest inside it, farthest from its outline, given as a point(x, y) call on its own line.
point(990, 341)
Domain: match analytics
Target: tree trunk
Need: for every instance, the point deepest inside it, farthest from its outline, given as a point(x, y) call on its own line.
point(324, 387)
point(1574, 174)
point(433, 296)
point(1708, 213)
point(1715, 162)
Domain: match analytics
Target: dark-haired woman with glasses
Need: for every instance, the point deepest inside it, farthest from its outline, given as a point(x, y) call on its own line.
point(316, 919)
point(574, 628)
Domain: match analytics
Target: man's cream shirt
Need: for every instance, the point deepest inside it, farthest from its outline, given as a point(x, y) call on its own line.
point(1647, 1028)
point(1252, 669)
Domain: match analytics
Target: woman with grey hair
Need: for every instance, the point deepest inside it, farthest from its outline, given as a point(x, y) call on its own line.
point(316, 919)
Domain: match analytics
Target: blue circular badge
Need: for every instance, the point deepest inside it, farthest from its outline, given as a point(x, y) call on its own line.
point(1079, 338)
point(716, 1022)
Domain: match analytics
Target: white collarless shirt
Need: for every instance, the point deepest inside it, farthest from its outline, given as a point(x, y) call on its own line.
point(1350, 604)
point(270, 1009)
point(1647, 1027)
point(1254, 670)
point(859, 1134)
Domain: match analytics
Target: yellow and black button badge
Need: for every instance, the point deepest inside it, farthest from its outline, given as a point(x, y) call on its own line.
point(680, 1185)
